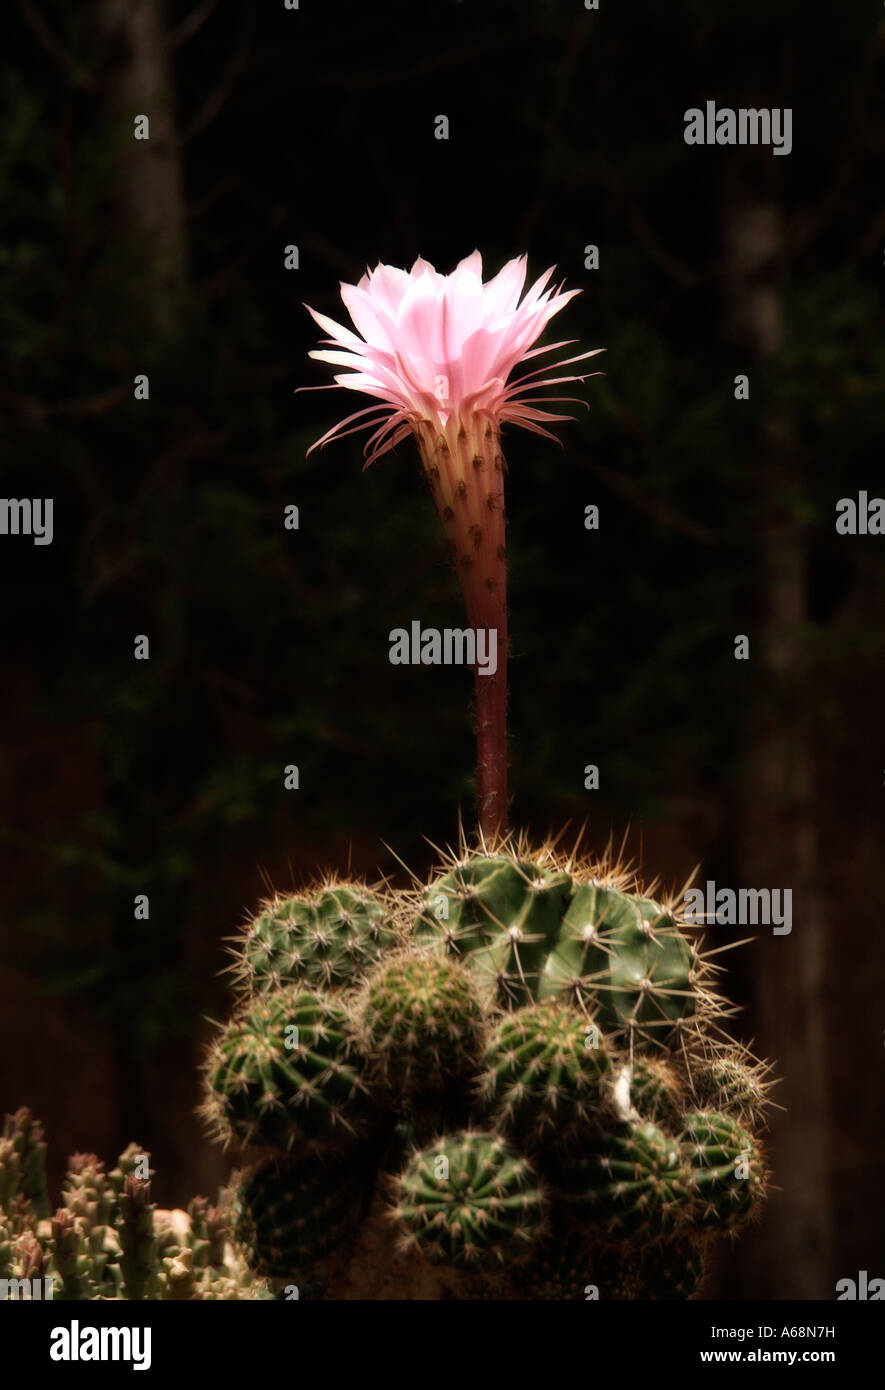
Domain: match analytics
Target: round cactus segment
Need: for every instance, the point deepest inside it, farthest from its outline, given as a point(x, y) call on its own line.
point(469, 1199)
point(656, 1091)
point(732, 1084)
point(327, 939)
point(543, 1074)
point(287, 1071)
point(625, 957)
point(421, 1022)
point(502, 915)
point(726, 1173)
point(530, 932)
point(629, 1186)
point(291, 1216)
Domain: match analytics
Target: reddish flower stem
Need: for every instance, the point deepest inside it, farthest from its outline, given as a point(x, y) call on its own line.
point(465, 469)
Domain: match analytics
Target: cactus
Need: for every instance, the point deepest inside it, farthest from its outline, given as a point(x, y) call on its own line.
point(725, 1167)
point(89, 1195)
point(511, 1084)
point(569, 1267)
point(625, 953)
point(629, 1185)
point(420, 1022)
point(502, 915)
point(734, 1083)
point(544, 1069)
point(71, 1254)
point(469, 1199)
point(570, 1263)
point(559, 1268)
point(496, 1098)
point(656, 1090)
point(23, 1154)
point(107, 1240)
point(673, 1269)
point(138, 1240)
point(287, 1071)
point(533, 929)
point(518, 1163)
point(292, 1216)
point(6, 1245)
point(325, 938)
point(208, 1230)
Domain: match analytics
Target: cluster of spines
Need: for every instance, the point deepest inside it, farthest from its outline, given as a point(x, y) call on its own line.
point(544, 1074)
point(420, 1023)
point(325, 937)
point(628, 1183)
point(726, 1170)
point(468, 1199)
point(732, 1080)
point(287, 1071)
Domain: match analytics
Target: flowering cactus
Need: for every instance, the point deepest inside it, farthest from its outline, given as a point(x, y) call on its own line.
point(554, 1105)
point(438, 353)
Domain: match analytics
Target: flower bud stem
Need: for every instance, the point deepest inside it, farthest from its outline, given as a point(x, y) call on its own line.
point(465, 469)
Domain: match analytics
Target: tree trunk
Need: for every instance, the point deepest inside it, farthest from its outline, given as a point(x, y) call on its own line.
point(147, 196)
point(146, 257)
point(777, 839)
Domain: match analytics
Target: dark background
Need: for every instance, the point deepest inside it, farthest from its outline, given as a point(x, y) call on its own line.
point(271, 127)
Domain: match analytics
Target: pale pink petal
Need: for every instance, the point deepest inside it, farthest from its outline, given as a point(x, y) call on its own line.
point(339, 359)
point(369, 316)
point(431, 346)
point(389, 284)
point(335, 330)
point(503, 291)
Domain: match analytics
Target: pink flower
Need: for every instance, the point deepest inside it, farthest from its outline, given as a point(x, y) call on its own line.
point(438, 353)
point(439, 349)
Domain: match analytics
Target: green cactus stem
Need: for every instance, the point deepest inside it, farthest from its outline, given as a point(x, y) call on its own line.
point(421, 1023)
point(469, 1199)
point(287, 1071)
point(327, 938)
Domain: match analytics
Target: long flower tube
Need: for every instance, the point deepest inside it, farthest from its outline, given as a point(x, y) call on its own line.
point(438, 353)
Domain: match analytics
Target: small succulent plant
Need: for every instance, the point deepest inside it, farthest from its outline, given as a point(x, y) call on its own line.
point(107, 1240)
